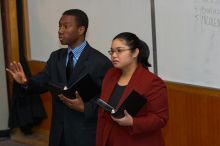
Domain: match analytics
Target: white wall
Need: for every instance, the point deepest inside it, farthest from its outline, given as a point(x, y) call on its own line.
point(107, 18)
point(3, 88)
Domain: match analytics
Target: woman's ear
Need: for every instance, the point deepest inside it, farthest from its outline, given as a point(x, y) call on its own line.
point(135, 53)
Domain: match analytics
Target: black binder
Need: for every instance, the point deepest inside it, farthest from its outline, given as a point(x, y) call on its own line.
point(133, 103)
point(86, 87)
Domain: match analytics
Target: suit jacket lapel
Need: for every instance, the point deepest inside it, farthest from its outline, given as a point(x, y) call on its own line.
point(62, 65)
point(80, 67)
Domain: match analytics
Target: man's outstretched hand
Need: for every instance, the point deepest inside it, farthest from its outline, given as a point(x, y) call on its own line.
point(17, 72)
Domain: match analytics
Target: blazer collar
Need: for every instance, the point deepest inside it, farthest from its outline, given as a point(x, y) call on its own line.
point(111, 84)
point(132, 84)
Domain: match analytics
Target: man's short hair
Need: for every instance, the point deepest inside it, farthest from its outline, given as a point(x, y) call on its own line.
point(81, 17)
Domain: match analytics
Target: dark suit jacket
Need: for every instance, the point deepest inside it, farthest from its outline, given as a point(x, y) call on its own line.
point(146, 129)
point(78, 129)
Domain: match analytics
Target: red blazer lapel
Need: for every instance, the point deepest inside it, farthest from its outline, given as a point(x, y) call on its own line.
point(112, 80)
point(110, 85)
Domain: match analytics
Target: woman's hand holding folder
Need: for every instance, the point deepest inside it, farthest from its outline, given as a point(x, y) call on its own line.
point(127, 120)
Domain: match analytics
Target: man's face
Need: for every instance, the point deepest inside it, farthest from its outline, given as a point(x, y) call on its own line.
point(69, 33)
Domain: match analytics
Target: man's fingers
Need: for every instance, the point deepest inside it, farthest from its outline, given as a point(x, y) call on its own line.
point(15, 66)
point(61, 96)
point(67, 103)
point(20, 68)
point(12, 68)
point(10, 71)
point(65, 99)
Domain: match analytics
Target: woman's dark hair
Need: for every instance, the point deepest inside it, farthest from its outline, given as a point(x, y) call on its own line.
point(81, 17)
point(133, 42)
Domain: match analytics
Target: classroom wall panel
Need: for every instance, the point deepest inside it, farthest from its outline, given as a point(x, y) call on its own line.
point(194, 116)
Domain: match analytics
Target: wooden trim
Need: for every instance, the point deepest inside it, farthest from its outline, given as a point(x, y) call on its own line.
point(27, 49)
point(10, 36)
point(194, 116)
point(11, 33)
point(193, 89)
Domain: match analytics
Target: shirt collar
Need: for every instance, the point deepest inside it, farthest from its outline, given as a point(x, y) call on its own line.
point(78, 50)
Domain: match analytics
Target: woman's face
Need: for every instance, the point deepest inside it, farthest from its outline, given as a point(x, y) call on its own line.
point(121, 55)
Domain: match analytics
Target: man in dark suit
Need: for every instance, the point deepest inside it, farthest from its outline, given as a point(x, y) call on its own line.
point(73, 121)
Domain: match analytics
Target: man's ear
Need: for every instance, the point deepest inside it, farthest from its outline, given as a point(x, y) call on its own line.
point(81, 30)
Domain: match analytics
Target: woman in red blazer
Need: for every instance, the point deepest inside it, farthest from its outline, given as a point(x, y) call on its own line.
point(129, 56)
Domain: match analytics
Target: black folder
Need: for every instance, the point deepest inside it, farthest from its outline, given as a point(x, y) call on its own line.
point(133, 103)
point(86, 87)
